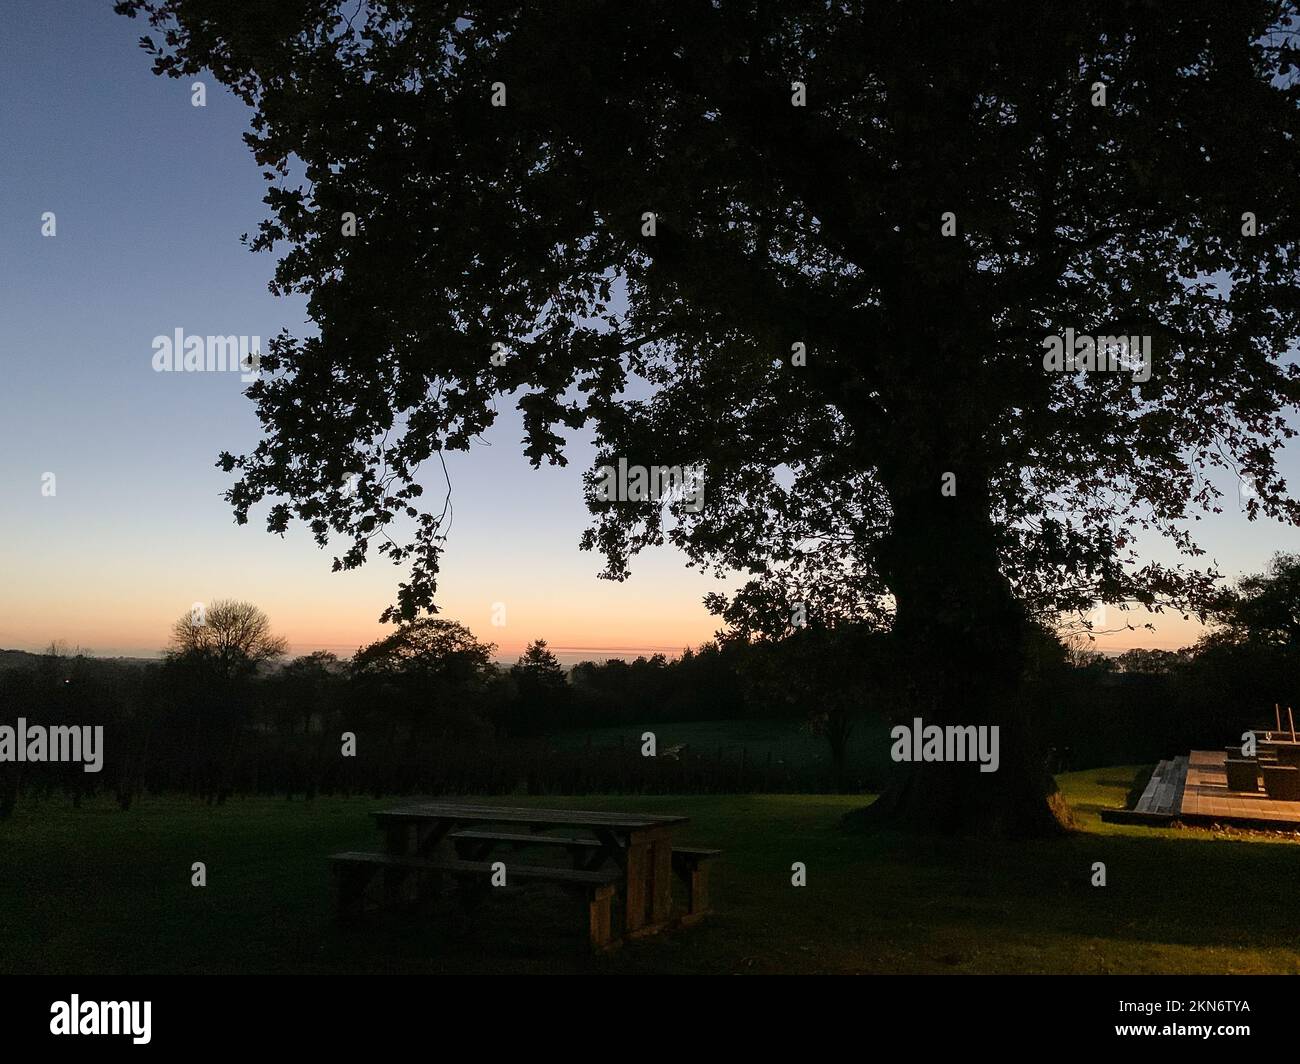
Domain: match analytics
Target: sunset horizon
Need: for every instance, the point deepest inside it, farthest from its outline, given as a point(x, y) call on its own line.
point(1171, 633)
point(137, 528)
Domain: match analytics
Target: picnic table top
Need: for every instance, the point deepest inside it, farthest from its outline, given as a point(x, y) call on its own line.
point(464, 812)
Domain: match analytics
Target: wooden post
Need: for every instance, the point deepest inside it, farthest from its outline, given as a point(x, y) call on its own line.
point(661, 898)
point(638, 873)
point(601, 905)
point(694, 869)
point(699, 889)
point(1277, 712)
point(1291, 719)
point(398, 840)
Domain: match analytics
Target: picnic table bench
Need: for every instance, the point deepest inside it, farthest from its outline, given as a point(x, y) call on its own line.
point(617, 855)
point(355, 870)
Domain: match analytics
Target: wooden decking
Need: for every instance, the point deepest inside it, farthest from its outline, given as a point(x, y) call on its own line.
point(1161, 800)
point(1194, 789)
point(1206, 798)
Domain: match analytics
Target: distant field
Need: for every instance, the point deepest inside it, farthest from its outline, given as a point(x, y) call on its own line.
point(98, 890)
point(787, 743)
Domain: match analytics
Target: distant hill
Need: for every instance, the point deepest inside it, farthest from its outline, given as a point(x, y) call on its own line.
point(17, 659)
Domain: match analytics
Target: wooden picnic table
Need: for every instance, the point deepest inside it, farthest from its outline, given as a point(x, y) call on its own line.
point(639, 844)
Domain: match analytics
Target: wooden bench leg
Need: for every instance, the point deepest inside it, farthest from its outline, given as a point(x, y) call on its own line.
point(350, 882)
point(661, 882)
point(637, 879)
point(601, 906)
point(697, 887)
point(694, 871)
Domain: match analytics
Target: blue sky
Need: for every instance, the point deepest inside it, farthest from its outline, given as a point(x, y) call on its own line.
point(151, 195)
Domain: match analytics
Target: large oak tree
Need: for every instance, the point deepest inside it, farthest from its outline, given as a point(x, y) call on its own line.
point(1104, 166)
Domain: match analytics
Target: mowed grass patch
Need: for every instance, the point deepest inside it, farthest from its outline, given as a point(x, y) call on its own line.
point(785, 745)
point(99, 890)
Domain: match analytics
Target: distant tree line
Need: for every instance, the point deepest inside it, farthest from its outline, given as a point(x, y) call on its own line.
point(1148, 704)
point(425, 709)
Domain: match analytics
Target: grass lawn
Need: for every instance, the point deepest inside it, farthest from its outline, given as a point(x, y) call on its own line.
point(98, 890)
point(788, 743)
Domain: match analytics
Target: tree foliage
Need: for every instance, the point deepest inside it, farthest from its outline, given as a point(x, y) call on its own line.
point(776, 224)
point(674, 198)
point(430, 647)
point(233, 638)
point(1263, 607)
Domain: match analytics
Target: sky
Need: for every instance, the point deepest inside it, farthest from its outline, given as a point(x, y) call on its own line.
point(150, 195)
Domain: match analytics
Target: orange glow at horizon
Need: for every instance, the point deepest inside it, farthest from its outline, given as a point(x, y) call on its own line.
point(607, 620)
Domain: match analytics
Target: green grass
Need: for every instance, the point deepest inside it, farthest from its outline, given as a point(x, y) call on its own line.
point(788, 743)
point(98, 890)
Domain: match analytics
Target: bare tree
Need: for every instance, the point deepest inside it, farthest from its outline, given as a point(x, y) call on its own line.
point(232, 637)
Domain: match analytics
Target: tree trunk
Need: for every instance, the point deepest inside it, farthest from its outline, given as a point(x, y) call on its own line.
point(837, 767)
point(960, 635)
point(10, 785)
point(838, 730)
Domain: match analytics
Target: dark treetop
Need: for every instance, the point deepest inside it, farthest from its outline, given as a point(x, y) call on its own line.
point(776, 224)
